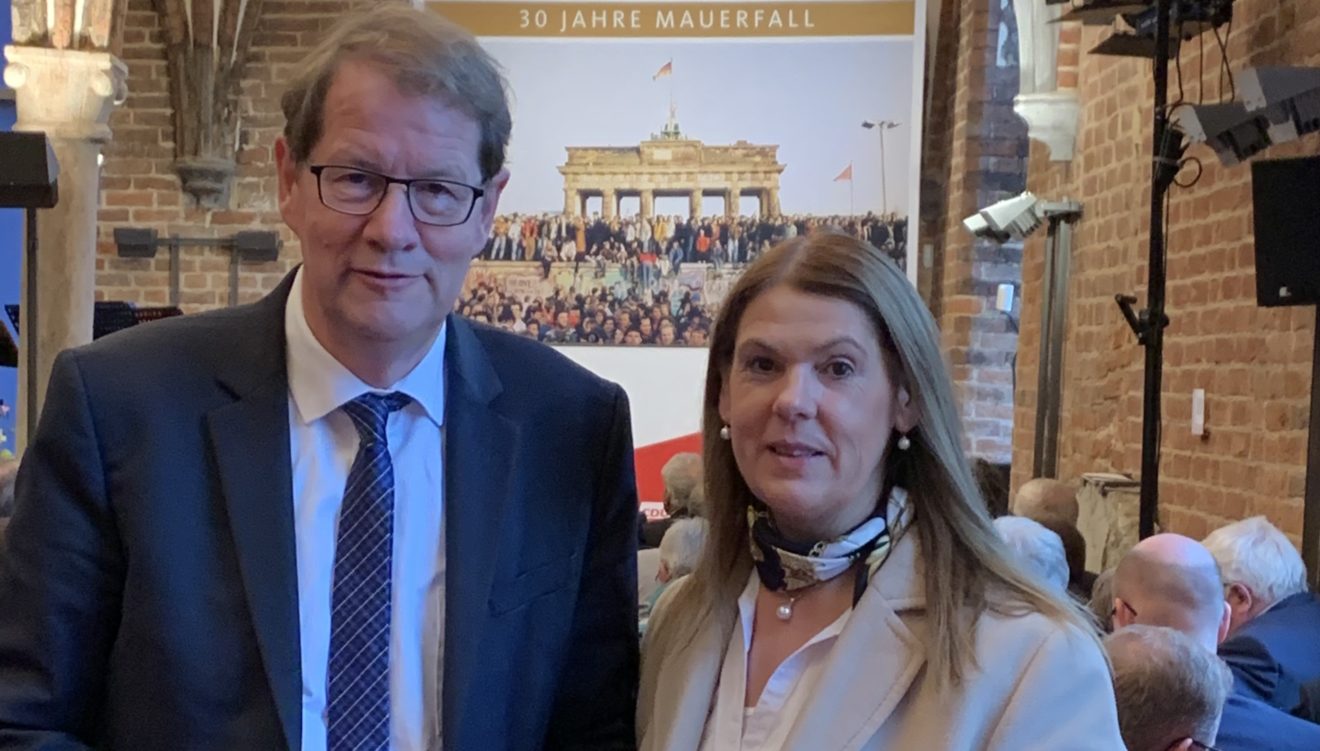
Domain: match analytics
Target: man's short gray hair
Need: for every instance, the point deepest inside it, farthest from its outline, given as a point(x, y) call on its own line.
point(1037, 549)
point(1167, 687)
point(424, 54)
point(1254, 553)
point(682, 478)
point(681, 546)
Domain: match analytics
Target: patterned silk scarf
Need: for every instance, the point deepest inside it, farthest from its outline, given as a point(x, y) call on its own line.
point(787, 566)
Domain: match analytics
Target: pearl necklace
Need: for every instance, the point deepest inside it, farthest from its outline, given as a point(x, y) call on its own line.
point(785, 610)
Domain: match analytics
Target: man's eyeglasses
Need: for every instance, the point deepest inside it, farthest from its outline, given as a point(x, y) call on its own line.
point(358, 192)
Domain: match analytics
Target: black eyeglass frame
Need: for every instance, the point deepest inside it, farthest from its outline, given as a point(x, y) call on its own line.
point(407, 184)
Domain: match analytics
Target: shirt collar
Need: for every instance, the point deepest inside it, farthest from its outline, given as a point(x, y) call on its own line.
point(319, 384)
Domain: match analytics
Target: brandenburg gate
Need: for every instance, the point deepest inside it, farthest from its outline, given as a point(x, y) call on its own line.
point(671, 165)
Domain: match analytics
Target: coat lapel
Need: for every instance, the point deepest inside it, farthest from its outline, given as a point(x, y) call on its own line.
point(684, 693)
point(478, 467)
point(873, 664)
point(250, 444)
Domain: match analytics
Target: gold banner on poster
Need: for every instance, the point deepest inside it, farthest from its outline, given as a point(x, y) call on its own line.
point(718, 19)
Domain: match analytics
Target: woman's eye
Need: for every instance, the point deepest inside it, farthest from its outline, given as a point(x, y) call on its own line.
point(760, 364)
point(839, 369)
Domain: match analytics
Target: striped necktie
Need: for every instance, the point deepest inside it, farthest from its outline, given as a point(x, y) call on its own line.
point(358, 700)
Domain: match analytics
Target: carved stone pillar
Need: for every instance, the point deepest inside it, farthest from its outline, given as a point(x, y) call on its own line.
point(572, 202)
point(731, 207)
point(609, 203)
point(206, 47)
point(771, 203)
point(67, 94)
point(694, 204)
point(648, 203)
point(1051, 113)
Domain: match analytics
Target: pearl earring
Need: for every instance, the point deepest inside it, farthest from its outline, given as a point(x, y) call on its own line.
point(724, 432)
point(904, 443)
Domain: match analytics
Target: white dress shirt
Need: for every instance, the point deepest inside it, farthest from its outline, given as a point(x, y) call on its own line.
point(323, 443)
point(733, 726)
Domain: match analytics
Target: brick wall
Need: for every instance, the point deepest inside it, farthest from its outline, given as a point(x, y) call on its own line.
point(140, 189)
point(976, 155)
point(1254, 363)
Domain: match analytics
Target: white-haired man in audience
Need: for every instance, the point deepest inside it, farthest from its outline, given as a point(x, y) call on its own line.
point(1044, 498)
point(1169, 689)
point(1274, 636)
point(679, 551)
point(1173, 581)
point(1036, 548)
point(683, 495)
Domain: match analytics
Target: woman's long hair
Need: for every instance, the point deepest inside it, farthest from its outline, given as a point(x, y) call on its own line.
point(967, 568)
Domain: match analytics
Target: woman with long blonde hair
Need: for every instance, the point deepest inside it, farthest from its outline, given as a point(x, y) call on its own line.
point(853, 594)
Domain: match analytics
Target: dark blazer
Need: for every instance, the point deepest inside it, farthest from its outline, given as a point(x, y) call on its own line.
point(1277, 651)
point(1248, 724)
point(1309, 708)
point(149, 589)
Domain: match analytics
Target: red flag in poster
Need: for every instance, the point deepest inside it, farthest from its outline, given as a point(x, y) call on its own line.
point(846, 174)
point(665, 70)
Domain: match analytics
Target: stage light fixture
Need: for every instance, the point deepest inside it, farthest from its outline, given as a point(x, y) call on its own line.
point(1289, 98)
point(1235, 133)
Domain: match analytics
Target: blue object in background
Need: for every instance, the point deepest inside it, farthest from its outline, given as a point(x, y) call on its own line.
point(11, 255)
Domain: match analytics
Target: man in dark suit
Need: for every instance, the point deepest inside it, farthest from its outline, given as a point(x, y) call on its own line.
point(1273, 646)
point(332, 519)
point(1173, 581)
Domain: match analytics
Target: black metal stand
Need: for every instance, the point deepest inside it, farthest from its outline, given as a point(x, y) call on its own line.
point(29, 320)
point(1149, 324)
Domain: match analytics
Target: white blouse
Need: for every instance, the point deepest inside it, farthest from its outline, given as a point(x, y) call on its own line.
point(733, 727)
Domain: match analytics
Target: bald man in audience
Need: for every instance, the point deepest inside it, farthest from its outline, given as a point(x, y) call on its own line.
point(1044, 499)
point(1169, 689)
point(1173, 581)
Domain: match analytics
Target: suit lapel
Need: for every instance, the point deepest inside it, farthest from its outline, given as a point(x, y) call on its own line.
point(872, 665)
point(250, 444)
point(478, 467)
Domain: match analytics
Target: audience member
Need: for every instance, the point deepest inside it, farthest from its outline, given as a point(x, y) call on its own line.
point(992, 479)
point(683, 493)
point(1080, 581)
point(1101, 602)
point(1274, 633)
point(1036, 548)
point(678, 553)
point(1043, 498)
point(1169, 689)
point(1171, 580)
point(854, 593)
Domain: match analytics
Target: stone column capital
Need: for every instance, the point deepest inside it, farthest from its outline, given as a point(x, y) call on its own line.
point(67, 94)
point(1052, 118)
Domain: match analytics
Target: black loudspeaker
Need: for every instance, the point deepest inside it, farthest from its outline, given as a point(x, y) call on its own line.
point(1286, 203)
point(28, 171)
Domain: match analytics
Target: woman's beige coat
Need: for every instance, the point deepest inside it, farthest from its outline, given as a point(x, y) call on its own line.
point(1039, 685)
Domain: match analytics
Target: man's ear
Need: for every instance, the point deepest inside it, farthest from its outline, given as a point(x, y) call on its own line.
point(1225, 621)
point(1122, 614)
point(490, 201)
point(286, 171)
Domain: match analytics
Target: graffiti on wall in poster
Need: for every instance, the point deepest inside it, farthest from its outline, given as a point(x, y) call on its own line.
point(655, 157)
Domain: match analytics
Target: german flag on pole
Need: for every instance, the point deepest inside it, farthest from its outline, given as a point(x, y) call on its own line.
point(846, 174)
point(665, 70)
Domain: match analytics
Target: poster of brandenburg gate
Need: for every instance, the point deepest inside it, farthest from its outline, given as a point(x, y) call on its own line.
point(659, 147)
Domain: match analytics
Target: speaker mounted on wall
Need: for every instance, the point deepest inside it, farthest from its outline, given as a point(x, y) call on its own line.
point(1286, 204)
